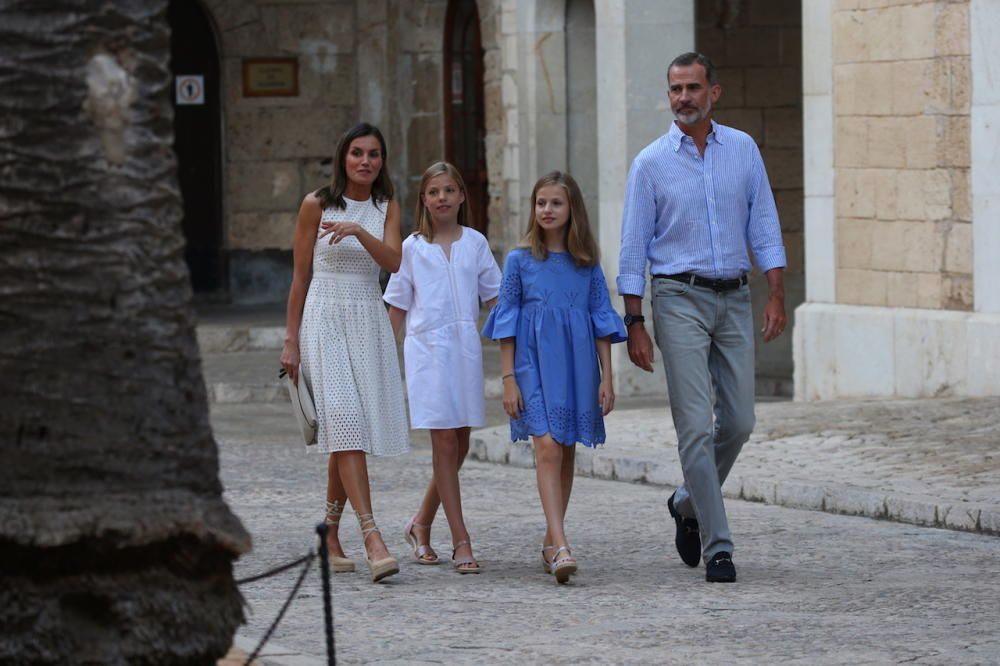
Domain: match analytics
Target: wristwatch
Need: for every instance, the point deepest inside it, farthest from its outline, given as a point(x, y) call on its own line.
point(633, 319)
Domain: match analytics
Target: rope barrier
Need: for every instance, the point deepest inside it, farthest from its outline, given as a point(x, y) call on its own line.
point(306, 562)
point(276, 570)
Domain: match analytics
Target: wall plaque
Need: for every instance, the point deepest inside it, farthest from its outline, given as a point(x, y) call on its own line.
point(270, 77)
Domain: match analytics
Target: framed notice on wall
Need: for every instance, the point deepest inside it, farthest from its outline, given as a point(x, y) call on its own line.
point(270, 77)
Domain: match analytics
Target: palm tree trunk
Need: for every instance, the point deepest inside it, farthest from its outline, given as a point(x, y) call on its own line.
point(116, 544)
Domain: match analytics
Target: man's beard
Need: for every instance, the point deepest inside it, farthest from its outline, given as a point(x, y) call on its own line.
point(693, 115)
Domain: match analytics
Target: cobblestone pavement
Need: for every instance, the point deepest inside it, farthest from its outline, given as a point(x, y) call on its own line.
point(814, 587)
point(927, 462)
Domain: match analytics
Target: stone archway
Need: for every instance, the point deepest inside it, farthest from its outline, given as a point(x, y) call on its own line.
point(464, 105)
point(194, 56)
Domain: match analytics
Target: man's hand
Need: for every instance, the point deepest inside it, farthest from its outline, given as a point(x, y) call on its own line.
point(774, 311)
point(640, 347)
point(774, 318)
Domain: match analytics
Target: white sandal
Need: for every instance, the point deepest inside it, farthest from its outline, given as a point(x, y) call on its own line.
point(337, 564)
point(466, 565)
point(562, 567)
point(421, 551)
point(546, 566)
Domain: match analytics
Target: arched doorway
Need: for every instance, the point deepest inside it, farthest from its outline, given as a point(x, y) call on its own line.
point(464, 127)
point(198, 142)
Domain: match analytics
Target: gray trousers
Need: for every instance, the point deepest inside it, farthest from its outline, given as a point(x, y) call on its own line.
point(706, 338)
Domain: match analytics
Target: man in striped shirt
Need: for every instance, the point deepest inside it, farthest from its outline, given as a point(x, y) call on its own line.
point(696, 198)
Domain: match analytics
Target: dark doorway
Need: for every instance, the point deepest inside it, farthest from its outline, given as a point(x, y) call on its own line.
point(198, 142)
point(464, 127)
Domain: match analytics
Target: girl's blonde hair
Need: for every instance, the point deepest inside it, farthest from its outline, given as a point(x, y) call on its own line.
point(579, 240)
point(424, 226)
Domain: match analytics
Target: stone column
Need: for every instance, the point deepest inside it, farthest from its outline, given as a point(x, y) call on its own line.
point(984, 325)
point(636, 40)
point(817, 130)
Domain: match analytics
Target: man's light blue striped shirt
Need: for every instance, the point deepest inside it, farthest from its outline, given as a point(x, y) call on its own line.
point(687, 213)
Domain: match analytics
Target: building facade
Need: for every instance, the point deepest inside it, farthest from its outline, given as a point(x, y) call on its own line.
point(876, 120)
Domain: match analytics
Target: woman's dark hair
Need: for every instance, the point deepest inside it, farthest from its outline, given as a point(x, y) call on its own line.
point(333, 194)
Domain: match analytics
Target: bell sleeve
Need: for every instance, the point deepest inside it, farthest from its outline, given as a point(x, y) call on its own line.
point(503, 319)
point(603, 317)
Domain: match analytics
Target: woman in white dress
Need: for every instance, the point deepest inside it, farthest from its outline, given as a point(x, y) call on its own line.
point(338, 330)
point(447, 270)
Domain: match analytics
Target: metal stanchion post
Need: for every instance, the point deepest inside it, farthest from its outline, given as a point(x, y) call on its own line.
point(331, 654)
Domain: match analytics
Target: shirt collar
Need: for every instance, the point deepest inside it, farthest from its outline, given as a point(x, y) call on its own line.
point(675, 136)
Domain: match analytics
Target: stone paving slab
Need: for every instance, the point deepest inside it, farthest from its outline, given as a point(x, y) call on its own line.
point(925, 462)
point(814, 588)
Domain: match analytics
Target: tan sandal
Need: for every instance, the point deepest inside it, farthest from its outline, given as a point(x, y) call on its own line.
point(563, 567)
point(337, 564)
point(385, 567)
point(466, 565)
point(421, 552)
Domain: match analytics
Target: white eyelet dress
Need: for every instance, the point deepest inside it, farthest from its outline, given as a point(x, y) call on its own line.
point(347, 350)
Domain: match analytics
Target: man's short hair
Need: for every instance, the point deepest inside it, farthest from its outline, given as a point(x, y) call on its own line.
point(694, 58)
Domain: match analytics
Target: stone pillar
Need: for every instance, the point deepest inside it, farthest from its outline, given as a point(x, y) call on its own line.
point(636, 40)
point(817, 125)
point(581, 112)
point(542, 92)
point(984, 325)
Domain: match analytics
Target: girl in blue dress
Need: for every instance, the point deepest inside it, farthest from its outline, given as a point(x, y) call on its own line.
point(555, 325)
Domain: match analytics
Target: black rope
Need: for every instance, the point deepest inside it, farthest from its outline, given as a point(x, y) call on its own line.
point(277, 570)
point(324, 561)
point(288, 602)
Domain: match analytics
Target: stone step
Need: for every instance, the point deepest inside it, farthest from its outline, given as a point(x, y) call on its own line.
point(234, 377)
point(235, 338)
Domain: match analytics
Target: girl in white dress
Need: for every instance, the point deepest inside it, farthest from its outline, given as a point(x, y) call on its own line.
point(337, 328)
point(447, 270)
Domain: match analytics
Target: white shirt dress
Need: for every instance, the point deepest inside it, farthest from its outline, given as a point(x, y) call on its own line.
point(442, 353)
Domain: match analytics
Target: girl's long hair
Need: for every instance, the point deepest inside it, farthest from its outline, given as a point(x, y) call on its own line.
point(579, 240)
point(424, 225)
point(333, 194)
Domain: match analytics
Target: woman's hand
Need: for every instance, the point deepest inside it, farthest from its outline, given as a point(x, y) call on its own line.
point(606, 395)
point(512, 401)
point(290, 360)
point(338, 231)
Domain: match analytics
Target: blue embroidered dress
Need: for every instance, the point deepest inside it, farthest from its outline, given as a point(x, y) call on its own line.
point(555, 310)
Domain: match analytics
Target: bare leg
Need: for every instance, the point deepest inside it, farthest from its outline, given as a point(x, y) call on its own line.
point(548, 471)
point(336, 497)
point(353, 468)
point(429, 506)
point(446, 451)
point(566, 473)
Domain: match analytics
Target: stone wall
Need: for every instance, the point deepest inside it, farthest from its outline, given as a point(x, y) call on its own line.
point(757, 47)
point(374, 60)
point(901, 101)
point(274, 147)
